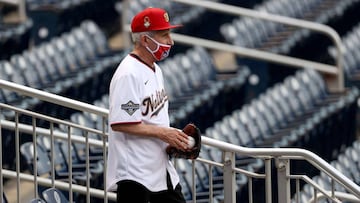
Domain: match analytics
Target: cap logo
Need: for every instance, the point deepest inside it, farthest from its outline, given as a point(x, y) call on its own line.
point(166, 17)
point(146, 22)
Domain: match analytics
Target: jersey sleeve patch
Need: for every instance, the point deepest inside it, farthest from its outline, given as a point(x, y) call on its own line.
point(130, 107)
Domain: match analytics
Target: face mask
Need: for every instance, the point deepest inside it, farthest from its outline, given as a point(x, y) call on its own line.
point(162, 50)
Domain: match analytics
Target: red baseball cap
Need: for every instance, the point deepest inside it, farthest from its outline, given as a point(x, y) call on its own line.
point(151, 19)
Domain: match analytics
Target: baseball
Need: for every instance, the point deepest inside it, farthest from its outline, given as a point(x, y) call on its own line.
point(191, 142)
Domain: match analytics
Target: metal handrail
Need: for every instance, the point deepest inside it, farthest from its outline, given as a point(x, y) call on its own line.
point(293, 153)
point(53, 98)
point(263, 153)
point(11, 2)
point(340, 195)
point(257, 54)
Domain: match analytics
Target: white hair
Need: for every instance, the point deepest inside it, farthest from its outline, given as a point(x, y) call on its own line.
point(137, 35)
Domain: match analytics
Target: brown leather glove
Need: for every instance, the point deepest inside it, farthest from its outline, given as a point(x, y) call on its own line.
point(191, 130)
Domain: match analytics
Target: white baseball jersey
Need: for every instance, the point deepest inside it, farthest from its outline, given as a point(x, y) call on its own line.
point(137, 95)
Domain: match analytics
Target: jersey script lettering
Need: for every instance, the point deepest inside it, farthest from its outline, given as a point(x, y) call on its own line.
point(154, 103)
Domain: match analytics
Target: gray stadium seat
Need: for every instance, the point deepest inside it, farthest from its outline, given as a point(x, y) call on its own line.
point(27, 71)
point(54, 195)
point(37, 200)
point(4, 199)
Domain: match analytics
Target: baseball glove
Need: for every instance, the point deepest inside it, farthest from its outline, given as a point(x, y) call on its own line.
point(191, 130)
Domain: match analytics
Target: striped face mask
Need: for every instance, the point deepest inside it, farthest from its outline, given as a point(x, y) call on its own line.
point(162, 50)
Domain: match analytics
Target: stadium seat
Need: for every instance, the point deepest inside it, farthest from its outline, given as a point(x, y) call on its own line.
point(62, 16)
point(33, 60)
point(44, 164)
point(350, 166)
point(9, 97)
point(4, 199)
point(42, 160)
point(290, 114)
point(54, 195)
point(60, 161)
point(90, 31)
point(351, 56)
point(203, 172)
point(96, 169)
point(83, 120)
point(8, 69)
point(15, 37)
point(26, 71)
point(347, 163)
point(37, 200)
point(56, 59)
point(184, 167)
point(190, 90)
point(185, 188)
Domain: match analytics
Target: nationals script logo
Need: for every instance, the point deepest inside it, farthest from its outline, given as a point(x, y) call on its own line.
point(154, 103)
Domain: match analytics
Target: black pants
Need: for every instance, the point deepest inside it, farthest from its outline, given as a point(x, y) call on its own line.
point(133, 192)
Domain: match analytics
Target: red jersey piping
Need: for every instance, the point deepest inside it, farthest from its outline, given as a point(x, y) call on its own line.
point(120, 123)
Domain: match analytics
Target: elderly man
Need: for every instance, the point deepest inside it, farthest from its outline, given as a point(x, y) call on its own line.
point(139, 169)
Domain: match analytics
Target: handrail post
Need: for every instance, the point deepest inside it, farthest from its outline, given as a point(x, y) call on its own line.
point(229, 178)
point(22, 10)
point(1, 164)
point(124, 21)
point(283, 183)
point(268, 187)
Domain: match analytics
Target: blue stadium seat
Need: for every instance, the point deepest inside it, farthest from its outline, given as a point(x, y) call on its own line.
point(95, 35)
point(62, 16)
point(75, 49)
point(26, 71)
point(260, 120)
point(203, 172)
point(15, 37)
point(4, 199)
point(96, 169)
point(190, 91)
point(31, 57)
point(83, 120)
point(351, 55)
point(79, 149)
point(44, 164)
point(9, 73)
point(350, 166)
point(185, 188)
point(184, 167)
point(44, 58)
point(37, 200)
point(54, 195)
point(67, 56)
point(57, 59)
point(8, 69)
point(229, 132)
point(347, 163)
point(60, 161)
point(42, 159)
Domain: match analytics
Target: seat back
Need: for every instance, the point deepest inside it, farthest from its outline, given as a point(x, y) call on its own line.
point(4, 200)
point(42, 159)
point(54, 195)
point(37, 200)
